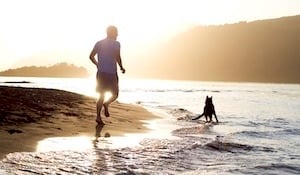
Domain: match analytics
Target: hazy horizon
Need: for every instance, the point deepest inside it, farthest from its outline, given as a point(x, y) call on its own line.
point(43, 33)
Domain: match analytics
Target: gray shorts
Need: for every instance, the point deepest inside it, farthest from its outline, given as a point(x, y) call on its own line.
point(107, 82)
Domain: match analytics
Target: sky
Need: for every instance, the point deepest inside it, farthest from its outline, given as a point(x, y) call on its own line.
point(45, 32)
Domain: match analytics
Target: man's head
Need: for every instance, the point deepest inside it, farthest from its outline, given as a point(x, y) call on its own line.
point(112, 32)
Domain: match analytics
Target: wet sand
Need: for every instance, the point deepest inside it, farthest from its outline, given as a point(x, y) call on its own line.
point(28, 115)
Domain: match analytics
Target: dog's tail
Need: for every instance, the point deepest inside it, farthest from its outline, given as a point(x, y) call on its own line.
point(198, 117)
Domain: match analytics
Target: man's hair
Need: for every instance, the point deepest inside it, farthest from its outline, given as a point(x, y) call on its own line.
point(111, 30)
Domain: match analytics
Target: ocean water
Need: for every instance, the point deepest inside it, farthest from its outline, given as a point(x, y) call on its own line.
point(258, 133)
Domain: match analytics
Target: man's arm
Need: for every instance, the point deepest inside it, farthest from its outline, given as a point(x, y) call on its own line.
point(92, 57)
point(119, 60)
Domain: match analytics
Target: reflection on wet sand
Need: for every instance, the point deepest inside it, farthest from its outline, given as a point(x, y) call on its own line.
point(79, 143)
point(98, 130)
point(100, 157)
point(103, 139)
point(102, 152)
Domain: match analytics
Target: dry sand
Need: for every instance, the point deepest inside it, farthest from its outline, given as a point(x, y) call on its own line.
point(28, 115)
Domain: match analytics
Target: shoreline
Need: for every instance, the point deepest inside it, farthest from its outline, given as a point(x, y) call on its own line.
point(29, 115)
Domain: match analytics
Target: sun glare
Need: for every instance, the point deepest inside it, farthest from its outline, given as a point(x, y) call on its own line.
point(58, 30)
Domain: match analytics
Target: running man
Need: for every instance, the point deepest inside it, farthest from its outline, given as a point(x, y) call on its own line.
point(108, 53)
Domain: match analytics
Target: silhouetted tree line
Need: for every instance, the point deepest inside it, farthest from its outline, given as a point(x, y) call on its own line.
point(57, 70)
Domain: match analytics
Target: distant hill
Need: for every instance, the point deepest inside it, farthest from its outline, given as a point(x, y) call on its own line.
point(259, 51)
point(57, 70)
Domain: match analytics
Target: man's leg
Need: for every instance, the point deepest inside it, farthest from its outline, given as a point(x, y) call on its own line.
point(114, 88)
point(99, 107)
point(101, 92)
point(109, 101)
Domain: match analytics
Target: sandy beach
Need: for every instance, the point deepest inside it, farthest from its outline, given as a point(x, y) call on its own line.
point(28, 115)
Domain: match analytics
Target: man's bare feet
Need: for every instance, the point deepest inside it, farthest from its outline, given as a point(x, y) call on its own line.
point(106, 110)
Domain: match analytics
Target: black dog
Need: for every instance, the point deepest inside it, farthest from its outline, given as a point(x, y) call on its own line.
point(209, 110)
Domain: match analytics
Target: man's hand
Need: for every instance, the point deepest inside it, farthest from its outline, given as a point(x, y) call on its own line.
point(123, 70)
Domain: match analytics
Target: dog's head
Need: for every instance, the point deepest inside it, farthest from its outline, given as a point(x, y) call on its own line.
point(208, 100)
